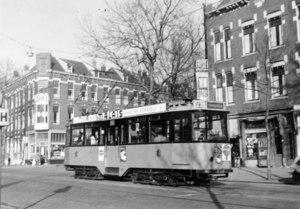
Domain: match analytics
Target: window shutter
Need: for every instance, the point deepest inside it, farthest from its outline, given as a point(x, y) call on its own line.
point(227, 34)
point(278, 71)
point(229, 79)
point(217, 37)
point(70, 109)
point(251, 76)
point(55, 108)
point(248, 29)
point(275, 21)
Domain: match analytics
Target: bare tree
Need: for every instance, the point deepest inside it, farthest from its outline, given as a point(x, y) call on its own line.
point(158, 37)
point(259, 81)
point(8, 67)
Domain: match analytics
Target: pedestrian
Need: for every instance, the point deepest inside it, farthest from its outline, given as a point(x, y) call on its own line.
point(8, 160)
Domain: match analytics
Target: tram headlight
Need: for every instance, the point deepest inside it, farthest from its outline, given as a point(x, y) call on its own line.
point(218, 159)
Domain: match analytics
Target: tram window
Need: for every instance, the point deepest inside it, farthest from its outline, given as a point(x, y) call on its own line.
point(159, 130)
point(199, 133)
point(68, 136)
point(216, 125)
point(92, 134)
point(78, 135)
point(181, 128)
point(102, 135)
point(138, 130)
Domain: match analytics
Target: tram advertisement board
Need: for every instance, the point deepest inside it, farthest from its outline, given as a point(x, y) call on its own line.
point(101, 154)
point(123, 154)
point(226, 152)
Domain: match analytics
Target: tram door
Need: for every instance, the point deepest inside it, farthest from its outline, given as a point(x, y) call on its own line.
point(113, 159)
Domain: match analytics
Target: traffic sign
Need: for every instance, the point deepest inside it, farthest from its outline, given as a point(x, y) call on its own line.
point(3, 117)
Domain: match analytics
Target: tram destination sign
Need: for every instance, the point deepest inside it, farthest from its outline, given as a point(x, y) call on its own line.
point(110, 115)
point(215, 105)
point(208, 105)
point(3, 117)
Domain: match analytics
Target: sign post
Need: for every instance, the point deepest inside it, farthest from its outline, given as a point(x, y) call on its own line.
point(3, 122)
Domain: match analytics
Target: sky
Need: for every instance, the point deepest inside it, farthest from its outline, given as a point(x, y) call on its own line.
point(44, 26)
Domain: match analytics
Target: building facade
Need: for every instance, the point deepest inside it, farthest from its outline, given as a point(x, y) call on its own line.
point(43, 102)
point(253, 56)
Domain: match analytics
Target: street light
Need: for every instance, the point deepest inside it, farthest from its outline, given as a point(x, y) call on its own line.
point(30, 53)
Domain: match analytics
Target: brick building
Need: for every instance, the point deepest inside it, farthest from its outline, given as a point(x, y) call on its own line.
point(42, 102)
point(252, 43)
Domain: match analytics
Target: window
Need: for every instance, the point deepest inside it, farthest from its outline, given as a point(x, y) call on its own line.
point(56, 114)
point(278, 81)
point(217, 46)
point(229, 88)
point(55, 89)
point(70, 91)
point(181, 127)
point(92, 134)
point(105, 95)
point(125, 96)
point(43, 65)
point(42, 86)
point(298, 21)
point(83, 92)
point(78, 137)
point(42, 110)
point(209, 125)
point(118, 97)
point(84, 110)
point(275, 31)
point(70, 112)
point(248, 39)
point(202, 87)
point(94, 93)
point(227, 48)
point(251, 84)
point(219, 94)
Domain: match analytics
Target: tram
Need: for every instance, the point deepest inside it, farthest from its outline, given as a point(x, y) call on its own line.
point(182, 141)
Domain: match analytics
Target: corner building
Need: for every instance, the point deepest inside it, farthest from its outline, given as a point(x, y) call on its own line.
point(42, 102)
point(239, 34)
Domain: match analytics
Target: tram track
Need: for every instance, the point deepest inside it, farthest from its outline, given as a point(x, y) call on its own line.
point(200, 194)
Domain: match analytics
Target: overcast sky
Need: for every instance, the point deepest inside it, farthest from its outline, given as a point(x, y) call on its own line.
point(45, 26)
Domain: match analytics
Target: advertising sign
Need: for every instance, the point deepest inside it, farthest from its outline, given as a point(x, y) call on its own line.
point(226, 152)
point(3, 117)
point(101, 154)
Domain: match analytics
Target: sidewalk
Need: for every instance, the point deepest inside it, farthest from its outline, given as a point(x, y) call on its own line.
point(279, 175)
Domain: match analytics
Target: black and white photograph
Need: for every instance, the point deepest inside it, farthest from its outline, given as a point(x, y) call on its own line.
point(150, 104)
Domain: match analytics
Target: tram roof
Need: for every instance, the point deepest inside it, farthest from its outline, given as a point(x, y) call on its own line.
point(175, 106)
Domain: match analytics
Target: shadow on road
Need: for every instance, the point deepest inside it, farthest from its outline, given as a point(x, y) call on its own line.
point(214, 198)
point(63, 190)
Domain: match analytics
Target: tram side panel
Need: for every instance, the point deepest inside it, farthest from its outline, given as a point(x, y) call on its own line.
point(85, 156)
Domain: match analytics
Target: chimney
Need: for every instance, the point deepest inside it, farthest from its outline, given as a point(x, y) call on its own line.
point(103, 68)
point(26, 68)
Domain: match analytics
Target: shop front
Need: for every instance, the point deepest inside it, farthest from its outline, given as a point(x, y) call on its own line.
point(254, 141)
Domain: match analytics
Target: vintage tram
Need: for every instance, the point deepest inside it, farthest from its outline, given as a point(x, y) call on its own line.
point(183, 141)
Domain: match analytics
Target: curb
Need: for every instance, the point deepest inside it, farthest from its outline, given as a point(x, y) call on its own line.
point(264, 182)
